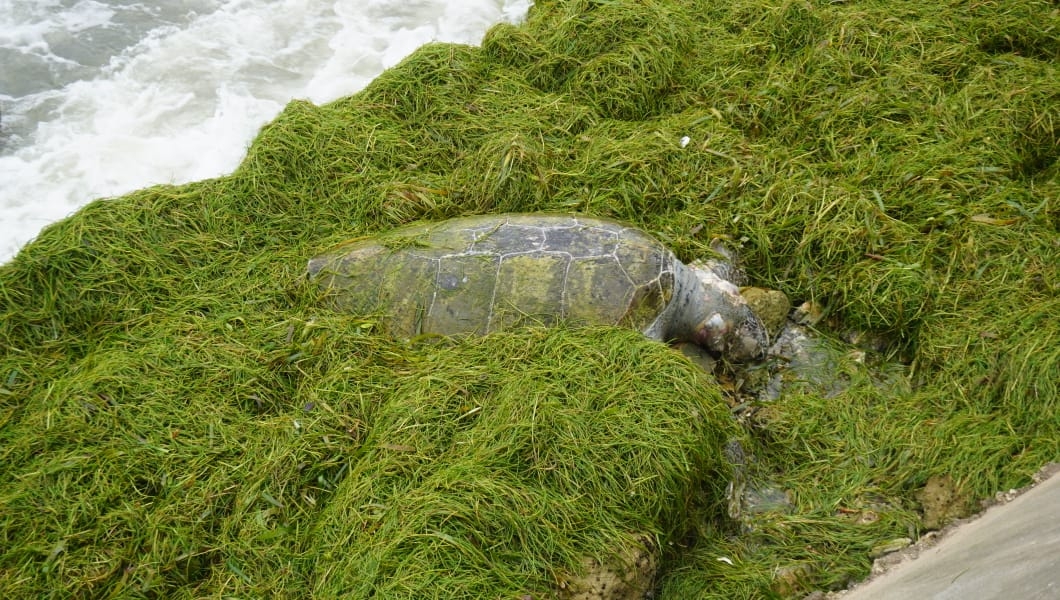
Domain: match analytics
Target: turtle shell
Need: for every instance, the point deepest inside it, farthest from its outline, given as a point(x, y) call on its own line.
point(482, 274)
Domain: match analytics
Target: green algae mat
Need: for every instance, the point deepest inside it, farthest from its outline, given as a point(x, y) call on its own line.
point(180, 417)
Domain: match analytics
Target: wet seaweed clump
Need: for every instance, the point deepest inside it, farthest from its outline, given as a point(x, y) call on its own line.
point(180, 416)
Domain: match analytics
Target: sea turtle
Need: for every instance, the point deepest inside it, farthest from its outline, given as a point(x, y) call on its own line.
point(481, 274)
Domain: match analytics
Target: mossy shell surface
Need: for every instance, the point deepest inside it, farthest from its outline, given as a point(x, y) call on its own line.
point(482, 274)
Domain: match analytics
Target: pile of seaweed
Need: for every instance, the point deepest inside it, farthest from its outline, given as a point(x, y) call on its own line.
point(180, 417)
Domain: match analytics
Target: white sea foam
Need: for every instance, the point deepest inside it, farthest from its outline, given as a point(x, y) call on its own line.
point(185, 96)
point(27, 25)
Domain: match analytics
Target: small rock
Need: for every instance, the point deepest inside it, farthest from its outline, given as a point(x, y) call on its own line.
point(762, 497)
point(698, 355)
point(889, 546)
point(771, 306)
point(790, 579)
point(629, 576)
point(808, 313)
point(1005, 497)
point(749, 495)
point(941, 502)
point(867, 340)
point(804, 357)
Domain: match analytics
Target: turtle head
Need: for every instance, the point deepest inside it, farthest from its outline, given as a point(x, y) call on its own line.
point(741, 336)
point(720, 319)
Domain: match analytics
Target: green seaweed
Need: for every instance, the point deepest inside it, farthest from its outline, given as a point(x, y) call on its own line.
point(180, 415)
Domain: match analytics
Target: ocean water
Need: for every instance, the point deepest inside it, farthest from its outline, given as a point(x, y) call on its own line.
point(102, 97)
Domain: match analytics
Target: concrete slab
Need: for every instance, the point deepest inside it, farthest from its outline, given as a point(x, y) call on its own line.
point(1011, 551)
